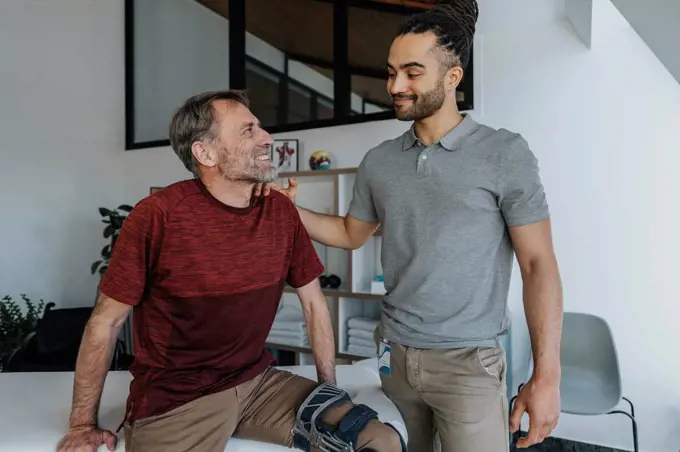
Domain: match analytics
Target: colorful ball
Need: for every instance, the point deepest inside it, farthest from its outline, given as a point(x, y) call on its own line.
point(320, 160)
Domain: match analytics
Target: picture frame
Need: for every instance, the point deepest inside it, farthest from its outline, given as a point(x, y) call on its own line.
point(285, 155)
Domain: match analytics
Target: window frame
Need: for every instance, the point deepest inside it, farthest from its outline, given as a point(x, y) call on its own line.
point(342, 71)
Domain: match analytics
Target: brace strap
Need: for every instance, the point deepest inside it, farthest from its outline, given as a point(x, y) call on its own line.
point(311, 431)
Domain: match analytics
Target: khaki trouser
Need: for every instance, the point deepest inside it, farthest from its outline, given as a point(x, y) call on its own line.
point(459, 394)
point(261, 409)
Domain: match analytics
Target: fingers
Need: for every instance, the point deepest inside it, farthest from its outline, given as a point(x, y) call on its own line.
point(257, 190)
point(533, 436)
point(539, 429)
point(110, 440)
point(516, 415)
point(292, 182)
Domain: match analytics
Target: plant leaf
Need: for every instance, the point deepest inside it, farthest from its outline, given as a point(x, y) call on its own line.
point(106, 252)
point(93, 269)
point(104, 212)
point(108, 231)
point(125, 207)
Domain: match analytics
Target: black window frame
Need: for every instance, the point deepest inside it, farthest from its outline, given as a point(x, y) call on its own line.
point(342, 71)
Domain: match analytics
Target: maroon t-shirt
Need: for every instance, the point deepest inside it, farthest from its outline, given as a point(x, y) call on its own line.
point(205, 280)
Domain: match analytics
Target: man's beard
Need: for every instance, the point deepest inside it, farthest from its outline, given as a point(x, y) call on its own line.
point(252, 173)
point(422, 106)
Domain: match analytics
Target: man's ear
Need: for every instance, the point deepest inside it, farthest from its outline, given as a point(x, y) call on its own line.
point(453, 78)
point(203, 155)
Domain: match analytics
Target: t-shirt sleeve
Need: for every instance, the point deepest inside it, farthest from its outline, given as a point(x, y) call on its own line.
point(305, 265)
point(362, 206)
point(134, 254)
point(522, 195)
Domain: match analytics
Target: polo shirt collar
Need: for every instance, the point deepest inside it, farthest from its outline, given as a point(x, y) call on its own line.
point(451, 141)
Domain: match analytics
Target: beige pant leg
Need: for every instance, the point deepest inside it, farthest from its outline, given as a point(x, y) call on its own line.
point(202, 425)
point(466, 390)
point(403, 388)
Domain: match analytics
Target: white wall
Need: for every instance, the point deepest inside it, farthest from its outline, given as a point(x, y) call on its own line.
point(656, 21)
point(603, 123)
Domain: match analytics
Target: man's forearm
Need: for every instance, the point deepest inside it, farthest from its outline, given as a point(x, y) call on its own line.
point(320, 332)
point(543, 310)
point(329, 230)
point(94, 360)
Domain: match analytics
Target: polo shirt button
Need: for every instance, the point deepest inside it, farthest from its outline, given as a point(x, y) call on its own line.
point(424, 157)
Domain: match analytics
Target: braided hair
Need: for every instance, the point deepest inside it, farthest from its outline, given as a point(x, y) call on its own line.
point(453, 23)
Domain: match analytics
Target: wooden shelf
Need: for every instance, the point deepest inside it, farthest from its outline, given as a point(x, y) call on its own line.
point(343, 293)
point(312, 173)
point(351, 356)
point(330, 191)
point(290, 348)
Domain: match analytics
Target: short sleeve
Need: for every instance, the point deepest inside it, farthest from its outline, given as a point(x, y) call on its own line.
point(134, 254)
point(362, 206)
point(522, 195)
point(305, 265)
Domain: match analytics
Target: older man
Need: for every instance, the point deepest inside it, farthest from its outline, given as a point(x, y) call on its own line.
point(203, 265)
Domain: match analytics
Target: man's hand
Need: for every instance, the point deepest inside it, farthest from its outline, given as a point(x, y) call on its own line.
point(87, 439)
point(540, 399)
point(265, 189)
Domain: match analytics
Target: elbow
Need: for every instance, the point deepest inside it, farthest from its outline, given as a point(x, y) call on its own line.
point(538, 266)
point(350, 246)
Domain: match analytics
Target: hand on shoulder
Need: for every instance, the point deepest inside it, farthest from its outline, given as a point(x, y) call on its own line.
point(290, 191)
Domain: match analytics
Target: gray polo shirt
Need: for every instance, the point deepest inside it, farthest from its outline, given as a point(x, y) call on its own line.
point(445, 210)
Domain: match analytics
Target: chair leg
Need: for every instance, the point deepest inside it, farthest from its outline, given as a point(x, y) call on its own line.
point(635, 433)
point(632, 408)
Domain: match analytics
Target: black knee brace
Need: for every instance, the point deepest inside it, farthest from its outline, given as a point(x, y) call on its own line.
point(311, 431)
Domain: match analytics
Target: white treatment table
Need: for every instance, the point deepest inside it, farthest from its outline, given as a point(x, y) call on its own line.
point(35, 407)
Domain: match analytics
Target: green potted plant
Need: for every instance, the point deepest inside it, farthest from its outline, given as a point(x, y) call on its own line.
point(113, 219)
point(16, 323)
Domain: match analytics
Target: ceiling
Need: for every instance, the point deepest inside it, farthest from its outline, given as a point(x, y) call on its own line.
point(305, 27)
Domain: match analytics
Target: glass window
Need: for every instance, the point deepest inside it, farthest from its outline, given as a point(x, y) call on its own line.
point(180, 48)
point(263, 92)
point(290, 36)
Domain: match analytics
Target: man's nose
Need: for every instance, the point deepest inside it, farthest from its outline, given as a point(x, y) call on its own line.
point(266, 139)
point(398, 85)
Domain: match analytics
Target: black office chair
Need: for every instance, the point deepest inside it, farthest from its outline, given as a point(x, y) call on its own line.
point(54, 345)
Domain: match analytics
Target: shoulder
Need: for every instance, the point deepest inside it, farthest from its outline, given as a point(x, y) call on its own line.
point(280, 204)
point(374, 158)
point(161, 203)
point(503, 145)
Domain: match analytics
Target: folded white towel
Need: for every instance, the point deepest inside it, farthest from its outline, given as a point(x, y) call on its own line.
point(370, 352)
point(284, 340)
point(361, 342)
point(291, 334)
point(353, 332)
point(289, 319)
point(363, 323)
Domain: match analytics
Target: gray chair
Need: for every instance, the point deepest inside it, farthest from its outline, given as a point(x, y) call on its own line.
point(591, 381)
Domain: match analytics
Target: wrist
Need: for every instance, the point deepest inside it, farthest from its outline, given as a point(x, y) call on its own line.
point(81, 422)
point(549, 373)
point(82, 425)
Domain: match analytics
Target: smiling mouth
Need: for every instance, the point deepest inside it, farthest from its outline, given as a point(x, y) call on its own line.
point(400, 101)
point(263, 158)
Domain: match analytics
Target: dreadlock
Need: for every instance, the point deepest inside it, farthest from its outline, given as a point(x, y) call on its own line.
point(453, 23)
